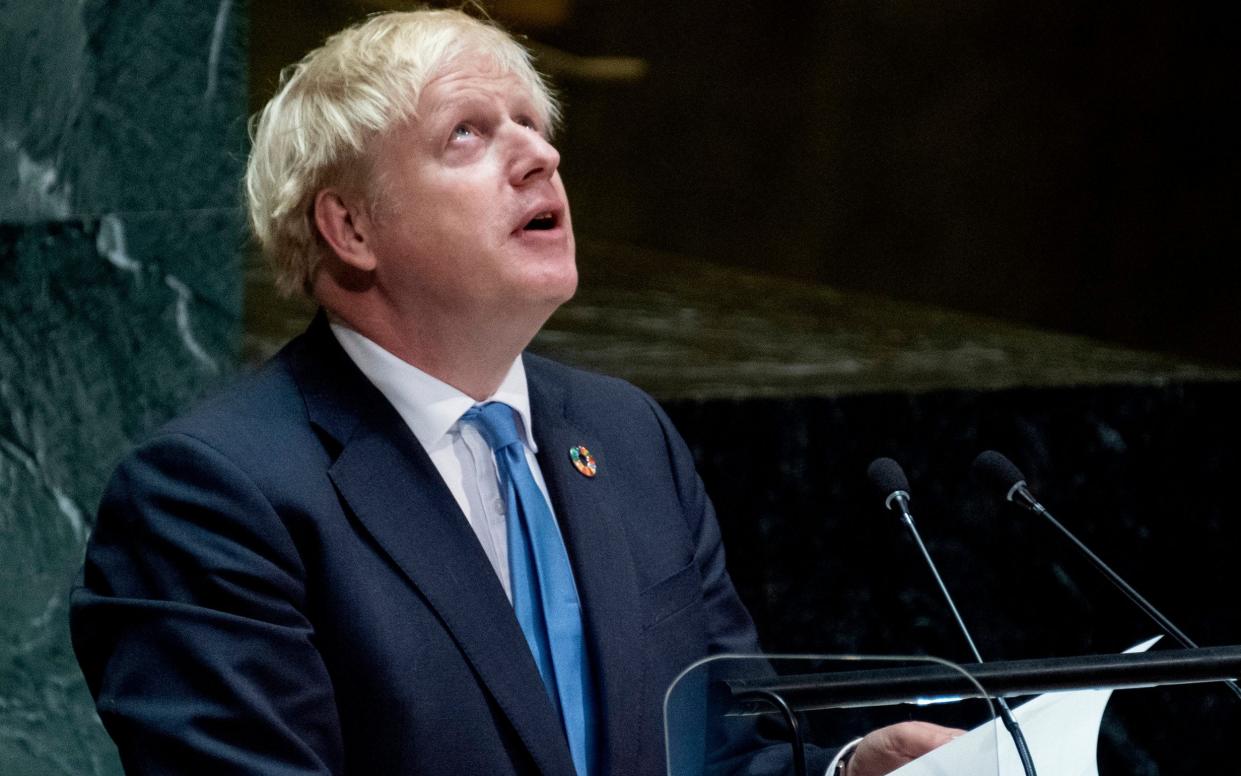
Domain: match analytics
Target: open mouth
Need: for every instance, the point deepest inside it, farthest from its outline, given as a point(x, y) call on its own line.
point(541, 223)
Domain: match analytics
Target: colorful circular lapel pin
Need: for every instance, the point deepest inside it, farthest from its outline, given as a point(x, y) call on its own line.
point(583, 460)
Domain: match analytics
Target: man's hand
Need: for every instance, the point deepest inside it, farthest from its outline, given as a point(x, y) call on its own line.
point(888, 748)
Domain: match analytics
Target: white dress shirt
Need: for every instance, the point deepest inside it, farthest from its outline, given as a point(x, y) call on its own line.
point(432, 409)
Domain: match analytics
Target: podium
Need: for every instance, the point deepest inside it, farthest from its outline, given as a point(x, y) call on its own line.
point(783, 714)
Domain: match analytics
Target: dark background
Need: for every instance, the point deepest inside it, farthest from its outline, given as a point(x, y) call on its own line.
point(1138, 473)
point(1070, 165)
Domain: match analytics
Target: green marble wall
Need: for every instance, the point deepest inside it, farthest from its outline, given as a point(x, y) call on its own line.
point(122, 136)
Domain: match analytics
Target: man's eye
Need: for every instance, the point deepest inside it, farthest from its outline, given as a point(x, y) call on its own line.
point(528, 123)
point(462, 131)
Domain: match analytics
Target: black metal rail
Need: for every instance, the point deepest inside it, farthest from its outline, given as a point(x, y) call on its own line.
point(842, 689)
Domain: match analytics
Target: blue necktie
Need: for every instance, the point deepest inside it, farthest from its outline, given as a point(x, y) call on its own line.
point(544, 595)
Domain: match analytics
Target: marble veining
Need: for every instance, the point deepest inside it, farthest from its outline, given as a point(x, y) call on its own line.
point(110, 242)
point(184, 329)
point(121, 133)
point(41, 77)
point(88, 124)
point(28, 448)
point(217, 44)
point(71, 511)
point(38, 191)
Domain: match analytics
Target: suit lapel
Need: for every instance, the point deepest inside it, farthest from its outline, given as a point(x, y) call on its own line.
point(591, 515)
point(400, 500)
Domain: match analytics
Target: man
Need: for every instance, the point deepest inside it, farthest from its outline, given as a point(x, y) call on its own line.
point(402, 546)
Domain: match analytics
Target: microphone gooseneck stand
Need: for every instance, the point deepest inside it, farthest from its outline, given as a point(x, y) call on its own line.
point(1008, 479)
point(889, 478)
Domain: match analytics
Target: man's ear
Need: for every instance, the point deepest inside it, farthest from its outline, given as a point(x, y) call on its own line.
point(346, 226)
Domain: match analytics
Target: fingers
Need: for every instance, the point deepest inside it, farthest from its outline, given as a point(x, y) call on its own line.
point(918, 738)
point(886, 749)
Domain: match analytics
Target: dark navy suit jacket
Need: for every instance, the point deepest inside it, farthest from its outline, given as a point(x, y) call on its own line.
point(281, 583)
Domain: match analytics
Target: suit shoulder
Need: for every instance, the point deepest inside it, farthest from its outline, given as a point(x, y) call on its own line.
point(588, 394)
point(614, 408)
point(581, 383)
point(259, 412)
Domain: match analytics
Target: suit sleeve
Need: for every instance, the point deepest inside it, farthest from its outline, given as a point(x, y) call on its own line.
point(189, 623)
point(730, 630)
point(740, 747)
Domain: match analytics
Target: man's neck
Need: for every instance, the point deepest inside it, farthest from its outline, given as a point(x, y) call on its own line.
point(474, 360)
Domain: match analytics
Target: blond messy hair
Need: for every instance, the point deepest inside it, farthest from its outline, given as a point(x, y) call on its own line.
point(362, 81)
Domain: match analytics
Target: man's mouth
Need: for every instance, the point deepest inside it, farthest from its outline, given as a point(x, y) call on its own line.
point(541, 222)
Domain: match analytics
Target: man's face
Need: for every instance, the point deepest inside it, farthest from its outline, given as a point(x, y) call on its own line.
point(472, 221)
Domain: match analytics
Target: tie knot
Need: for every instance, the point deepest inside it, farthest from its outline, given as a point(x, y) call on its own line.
point(494, 421)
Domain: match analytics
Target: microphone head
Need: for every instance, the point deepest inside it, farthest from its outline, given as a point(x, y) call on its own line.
point(887, 476)
point(998, 472)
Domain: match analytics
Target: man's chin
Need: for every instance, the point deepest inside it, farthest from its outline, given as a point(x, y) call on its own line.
point(555, 285)
point(569, 290)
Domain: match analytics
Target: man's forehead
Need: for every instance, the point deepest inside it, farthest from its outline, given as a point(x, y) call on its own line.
point(462, 85)
point(475, 73)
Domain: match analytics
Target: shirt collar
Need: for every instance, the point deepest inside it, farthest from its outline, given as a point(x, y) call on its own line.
point(428, 405)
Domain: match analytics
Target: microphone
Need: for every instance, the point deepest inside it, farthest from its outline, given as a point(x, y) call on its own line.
point(1006, 478)
point(889, 480)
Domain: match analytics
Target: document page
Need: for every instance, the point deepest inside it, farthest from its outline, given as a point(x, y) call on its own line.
point(1061, 729)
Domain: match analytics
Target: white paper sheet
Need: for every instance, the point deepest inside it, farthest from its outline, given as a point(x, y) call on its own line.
point(1061, 729)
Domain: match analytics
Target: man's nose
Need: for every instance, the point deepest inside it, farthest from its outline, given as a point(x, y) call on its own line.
point(534, 158)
